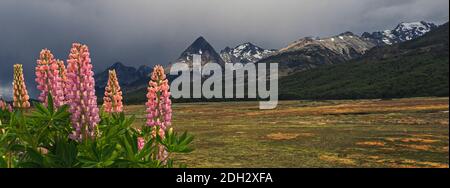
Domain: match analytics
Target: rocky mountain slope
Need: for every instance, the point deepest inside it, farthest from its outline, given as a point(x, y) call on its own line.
point(244, 53)
point(403, 32)
point(308, 53)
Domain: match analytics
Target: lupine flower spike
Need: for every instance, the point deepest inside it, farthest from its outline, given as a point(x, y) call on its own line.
point(159, 110)
point(63, 74)
point(81, 93)
point(48, 79)
point(112, 101)
point(140, 143)
point(20, 93)
point(4, 106)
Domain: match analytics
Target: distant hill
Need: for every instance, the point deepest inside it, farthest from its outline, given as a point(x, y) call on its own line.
point(127, 75)
point(414, 68)
point(130, 78)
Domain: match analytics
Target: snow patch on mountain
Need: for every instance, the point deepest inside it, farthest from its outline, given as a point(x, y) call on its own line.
point(403, 32)
point(244, 53)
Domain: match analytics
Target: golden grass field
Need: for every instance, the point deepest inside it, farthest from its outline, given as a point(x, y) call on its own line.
point(395, 133)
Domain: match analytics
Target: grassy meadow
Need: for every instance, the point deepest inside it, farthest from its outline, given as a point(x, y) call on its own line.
point(394, 133)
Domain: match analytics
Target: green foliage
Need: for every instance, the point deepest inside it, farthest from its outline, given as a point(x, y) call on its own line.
point(175, 143)
point(40, 139)
point(415, 76)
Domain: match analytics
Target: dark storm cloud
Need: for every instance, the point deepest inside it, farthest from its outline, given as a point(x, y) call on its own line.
point(156, 31)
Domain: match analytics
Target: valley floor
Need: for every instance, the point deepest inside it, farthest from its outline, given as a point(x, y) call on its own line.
point(395, 133)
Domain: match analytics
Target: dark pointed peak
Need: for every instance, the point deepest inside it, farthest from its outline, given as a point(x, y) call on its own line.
point(200, 44)
point(200, 40)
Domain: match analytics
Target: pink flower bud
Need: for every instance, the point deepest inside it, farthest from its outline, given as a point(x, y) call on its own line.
point(112, 101)
point(20, 93)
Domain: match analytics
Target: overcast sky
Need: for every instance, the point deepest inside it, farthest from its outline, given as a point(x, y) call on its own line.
point(138, 32)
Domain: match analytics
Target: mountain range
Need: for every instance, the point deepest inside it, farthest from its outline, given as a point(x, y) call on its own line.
point(415, 68)
point(300, 56)
point(403, 32)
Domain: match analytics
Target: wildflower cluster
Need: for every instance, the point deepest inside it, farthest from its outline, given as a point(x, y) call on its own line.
point(67, 129)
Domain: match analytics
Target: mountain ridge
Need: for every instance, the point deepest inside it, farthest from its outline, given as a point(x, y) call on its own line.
point(308, 53)
point(404, 31)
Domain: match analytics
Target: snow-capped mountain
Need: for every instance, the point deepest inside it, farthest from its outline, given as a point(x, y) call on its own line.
point(403, 32)
point(308, 53)
point(347, 45)
point(244, 53)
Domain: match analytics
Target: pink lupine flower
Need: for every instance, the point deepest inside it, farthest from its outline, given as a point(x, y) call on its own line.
point(3, 105)
point(63, 74)
point(159, 106)
point(20, 93)
point(48, 79)
point(140, 143)
point(81, 93)
point(10, 109)
point(112, 101)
